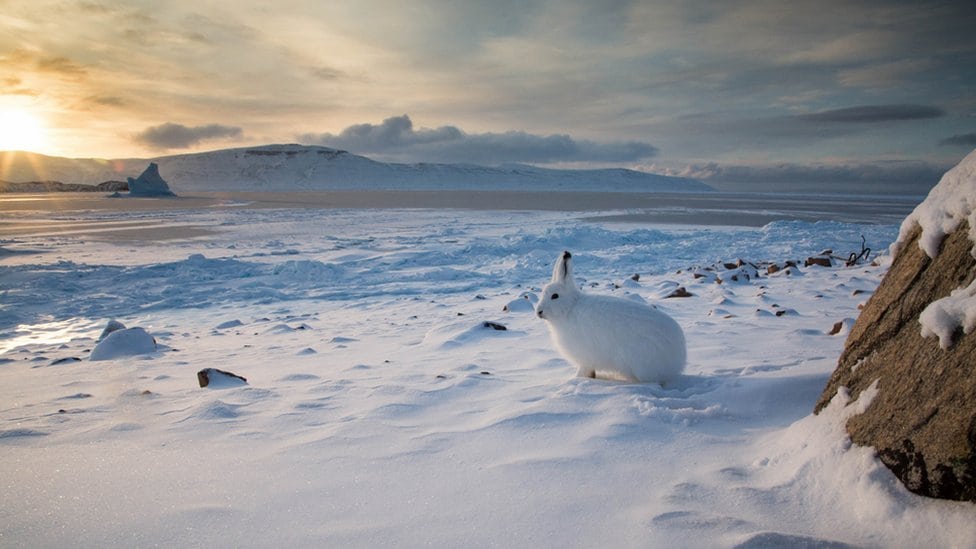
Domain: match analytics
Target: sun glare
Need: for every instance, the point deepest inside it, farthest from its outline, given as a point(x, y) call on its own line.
point(21, 131)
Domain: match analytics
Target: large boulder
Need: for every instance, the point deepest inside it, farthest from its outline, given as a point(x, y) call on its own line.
point(149, 183)
point(915, 338)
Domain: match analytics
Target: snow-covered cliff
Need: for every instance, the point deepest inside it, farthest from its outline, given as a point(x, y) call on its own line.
point(299, 167)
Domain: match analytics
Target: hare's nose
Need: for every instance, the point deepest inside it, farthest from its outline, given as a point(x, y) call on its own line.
point(539, 313)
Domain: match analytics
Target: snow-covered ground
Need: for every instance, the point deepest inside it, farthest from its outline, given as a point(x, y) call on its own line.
point(380, 409)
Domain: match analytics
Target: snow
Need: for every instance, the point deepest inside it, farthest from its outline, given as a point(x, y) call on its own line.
point(944, 316)
point(122, 343)
point(298, 167)
point(381, 409)
point(949, 203)
point(947, 206)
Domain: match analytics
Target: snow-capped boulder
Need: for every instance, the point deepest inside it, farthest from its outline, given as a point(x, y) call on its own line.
point(915, 337)
point(213, 378)
point(149, 183)
point(524, 304)
point(122, 343)
point(112, 326)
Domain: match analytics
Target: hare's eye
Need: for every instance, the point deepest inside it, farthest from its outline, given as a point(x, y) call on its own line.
point(555, 296)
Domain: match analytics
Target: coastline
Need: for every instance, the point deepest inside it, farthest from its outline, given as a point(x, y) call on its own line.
point(713, 208)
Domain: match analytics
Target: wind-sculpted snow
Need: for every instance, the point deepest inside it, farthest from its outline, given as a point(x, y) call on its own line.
point(389, 261)
point(390, 374)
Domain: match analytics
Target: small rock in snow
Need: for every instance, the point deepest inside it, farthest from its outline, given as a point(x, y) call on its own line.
point(680, 291)
point(219, 379)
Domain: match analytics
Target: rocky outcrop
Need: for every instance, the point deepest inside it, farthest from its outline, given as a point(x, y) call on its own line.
point(59, 187)
point(149, 183)
point(923, 420)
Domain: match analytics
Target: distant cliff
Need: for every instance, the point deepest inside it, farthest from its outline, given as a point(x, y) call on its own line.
point(57, 186)
point(299, 167)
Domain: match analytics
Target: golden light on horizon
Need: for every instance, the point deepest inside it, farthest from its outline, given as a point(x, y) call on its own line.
point(21, 130)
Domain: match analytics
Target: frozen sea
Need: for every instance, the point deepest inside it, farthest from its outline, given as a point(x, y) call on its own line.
point(384, 407)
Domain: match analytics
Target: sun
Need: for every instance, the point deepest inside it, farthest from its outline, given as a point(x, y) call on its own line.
point(21, 131)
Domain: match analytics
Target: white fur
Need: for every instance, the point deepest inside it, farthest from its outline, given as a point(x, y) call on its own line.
point(613, 336)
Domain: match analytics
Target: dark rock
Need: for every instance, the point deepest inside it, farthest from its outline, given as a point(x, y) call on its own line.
point(680, 291)
point(922, 422)
point(838, 326)
point(821, 260)
point(207, 376)
point(495, 326)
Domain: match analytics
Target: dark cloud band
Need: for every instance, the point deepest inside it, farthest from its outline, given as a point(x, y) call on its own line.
point(910, 173)
point(868, 114)
point(178, 136)
point(396, 138)
point(962, 140)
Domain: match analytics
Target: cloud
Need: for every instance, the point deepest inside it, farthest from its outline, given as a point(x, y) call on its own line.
point(900, 176)
point(62, 66)
point(178, 136)
point(108, 100)
point(870, 114)
point(962, 140)
point(396, 138)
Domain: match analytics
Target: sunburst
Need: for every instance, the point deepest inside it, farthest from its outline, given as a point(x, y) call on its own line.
point(21, 130)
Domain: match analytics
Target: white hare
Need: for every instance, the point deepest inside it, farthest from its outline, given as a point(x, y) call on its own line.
point(610, 335)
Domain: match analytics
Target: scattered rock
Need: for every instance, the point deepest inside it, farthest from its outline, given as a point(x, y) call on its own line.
point(680, 291)
point(822, 261)
point(495, 326)
point(217, 379)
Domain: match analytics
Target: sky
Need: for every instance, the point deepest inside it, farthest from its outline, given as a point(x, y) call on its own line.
point(756, 92)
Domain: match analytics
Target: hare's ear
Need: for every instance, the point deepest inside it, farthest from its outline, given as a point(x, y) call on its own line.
point(563, 270)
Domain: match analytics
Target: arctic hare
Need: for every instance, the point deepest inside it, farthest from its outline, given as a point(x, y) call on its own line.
point(610, 335)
